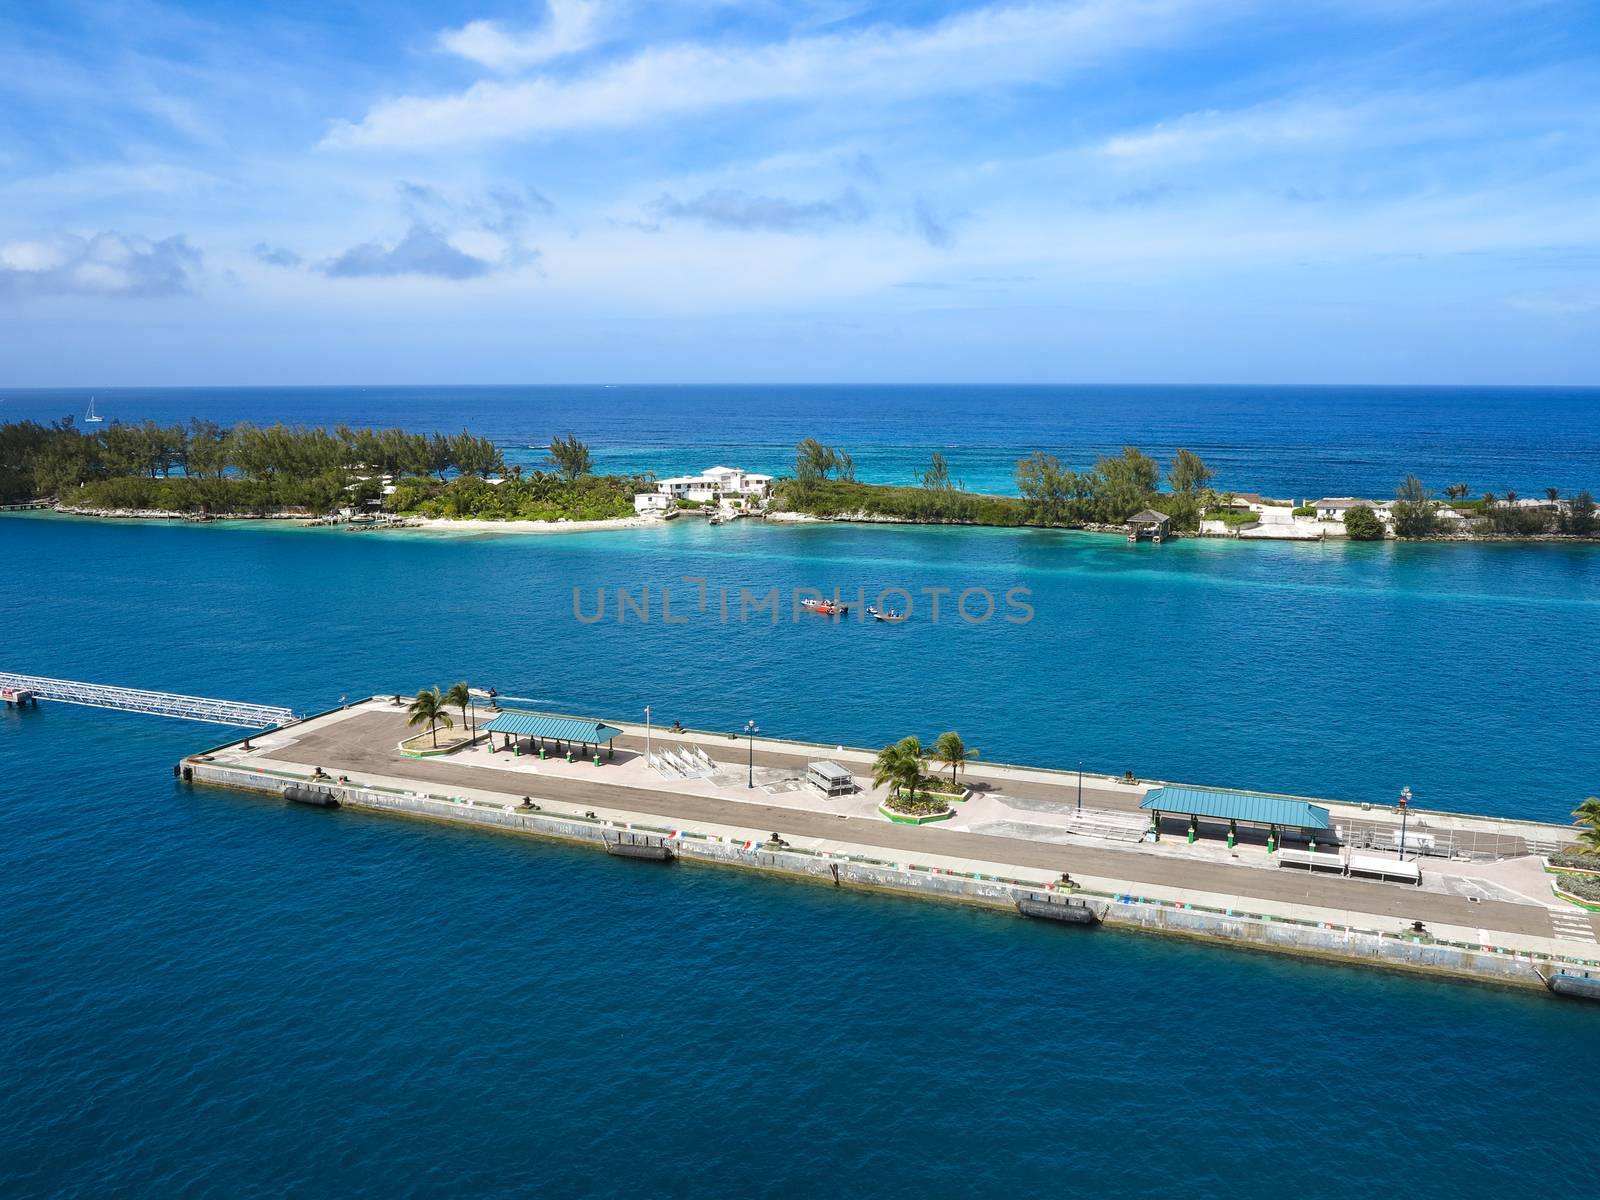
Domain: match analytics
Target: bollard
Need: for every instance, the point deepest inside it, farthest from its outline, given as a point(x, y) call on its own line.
point(541, 753)
point(1272, 840)
point(1194, 829)
point(1233, 833)
point(597, 760)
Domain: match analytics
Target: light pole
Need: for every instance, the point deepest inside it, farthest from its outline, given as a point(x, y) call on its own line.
point(1405, 800)
point(647, 735)
point(750, 731)
point(1080, 787)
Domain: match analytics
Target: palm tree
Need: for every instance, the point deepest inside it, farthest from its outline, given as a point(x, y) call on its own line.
point(1457, 491)
point(950, 750)
point(1552, 494)
point(1511, 498)
point(429, 708)
point(901, 766)
point(461, 696)
point(1587, 814)
point(1489, 499)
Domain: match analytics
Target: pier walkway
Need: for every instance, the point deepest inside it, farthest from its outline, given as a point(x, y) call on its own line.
point(160, 704)
point(361, 743)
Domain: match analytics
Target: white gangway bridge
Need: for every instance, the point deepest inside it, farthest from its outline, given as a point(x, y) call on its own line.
point(21, 689)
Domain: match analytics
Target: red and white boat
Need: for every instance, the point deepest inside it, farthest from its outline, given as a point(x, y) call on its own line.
point(827, 608)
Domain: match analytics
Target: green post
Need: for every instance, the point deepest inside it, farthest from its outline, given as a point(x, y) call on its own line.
point(1313, 843)
point(1272, 840)
point(597, 759)
point(1233, 833)
point(516, 748)
point(1155, 825)
point(1194, 830)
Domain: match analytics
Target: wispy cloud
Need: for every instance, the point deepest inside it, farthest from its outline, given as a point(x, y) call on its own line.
point(422, 251)
point(569, 27)
point(968, 52)
point(106, 264)
point(275, 256)
point(725, 208)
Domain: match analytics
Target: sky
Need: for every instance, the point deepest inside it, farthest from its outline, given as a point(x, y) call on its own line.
point(595, 191)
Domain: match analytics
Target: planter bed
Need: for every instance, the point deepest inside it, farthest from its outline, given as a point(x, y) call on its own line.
point(911, 819)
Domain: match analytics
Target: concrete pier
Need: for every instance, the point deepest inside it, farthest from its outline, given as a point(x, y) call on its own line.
point(1486, 912)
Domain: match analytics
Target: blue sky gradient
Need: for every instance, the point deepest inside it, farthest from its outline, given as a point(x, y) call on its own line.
point(613, 191)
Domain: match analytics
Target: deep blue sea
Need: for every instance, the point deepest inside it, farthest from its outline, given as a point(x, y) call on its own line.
point(207, 994)
point(1290, 442)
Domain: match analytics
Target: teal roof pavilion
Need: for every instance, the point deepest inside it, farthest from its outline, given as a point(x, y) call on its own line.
point(556, 729)
point(1236, 806)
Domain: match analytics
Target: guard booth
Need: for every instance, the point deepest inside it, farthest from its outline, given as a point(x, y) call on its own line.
point(1276, 813)
point(830, 779)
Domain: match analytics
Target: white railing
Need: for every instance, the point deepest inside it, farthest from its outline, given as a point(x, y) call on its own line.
point(159, 704)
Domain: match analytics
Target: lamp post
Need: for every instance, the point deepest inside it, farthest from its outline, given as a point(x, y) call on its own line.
point(1405, 801)
point(647, 735)
point(1080, 787)
point(750, 731)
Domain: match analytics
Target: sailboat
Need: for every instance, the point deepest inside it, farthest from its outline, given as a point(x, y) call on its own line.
point(91, 417)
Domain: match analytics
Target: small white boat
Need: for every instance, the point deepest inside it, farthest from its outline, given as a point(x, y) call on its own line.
point(91, 417)
point(876, 615)
point(715, 519)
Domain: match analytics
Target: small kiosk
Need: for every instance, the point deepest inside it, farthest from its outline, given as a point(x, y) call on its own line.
point(830, 778)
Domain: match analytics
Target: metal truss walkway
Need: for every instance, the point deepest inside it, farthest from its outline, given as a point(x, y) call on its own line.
point(158, 704)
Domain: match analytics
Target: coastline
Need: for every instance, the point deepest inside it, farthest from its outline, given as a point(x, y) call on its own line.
point(473, 525)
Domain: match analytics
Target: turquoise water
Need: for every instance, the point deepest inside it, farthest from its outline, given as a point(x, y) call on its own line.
point(208, 994)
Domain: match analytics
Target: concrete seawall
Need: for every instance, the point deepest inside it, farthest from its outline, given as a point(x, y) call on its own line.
point(863, 871)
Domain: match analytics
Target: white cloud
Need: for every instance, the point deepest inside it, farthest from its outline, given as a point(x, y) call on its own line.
point(569, 28)
point(107, 264)
point(1001, 45)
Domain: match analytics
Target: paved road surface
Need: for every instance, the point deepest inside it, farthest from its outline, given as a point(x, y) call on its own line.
point(366, 744)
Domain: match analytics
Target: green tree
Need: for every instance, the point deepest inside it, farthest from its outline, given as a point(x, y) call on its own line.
point(1361, 524)
point(1128, 484)
point(570, 456)
point(429, 708)
point(951, 751)
point(1457, 491)
point(1415, 514)
point(1052, 495)
point(1187, 477)
point(813, 461)
point(937, 477)
point(901, 766)
point(461, 696)
point(1579, 518)
point(1587, 815)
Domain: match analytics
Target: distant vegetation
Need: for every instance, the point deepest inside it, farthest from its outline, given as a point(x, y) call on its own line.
point(202, 467)
point(1051, 494)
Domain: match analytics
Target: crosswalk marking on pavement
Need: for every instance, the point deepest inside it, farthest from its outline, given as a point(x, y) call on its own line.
point(1571, 927)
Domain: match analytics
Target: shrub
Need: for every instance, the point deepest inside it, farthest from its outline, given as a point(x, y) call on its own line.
point(1571, 858)
point(1361, 524)
point(1305, 510)
point(1584, 887)
point(1232, 516)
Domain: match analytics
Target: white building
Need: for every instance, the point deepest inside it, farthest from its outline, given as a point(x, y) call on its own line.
point(1333, 508)
point(651, 502)
point(717, 483)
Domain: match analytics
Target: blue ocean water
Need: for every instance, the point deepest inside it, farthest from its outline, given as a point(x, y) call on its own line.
point(1293, 442)
point(206, 994)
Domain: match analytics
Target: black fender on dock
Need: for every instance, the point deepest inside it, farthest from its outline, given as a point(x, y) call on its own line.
point(1068, 912)
point(1579, 987)
point(300, 793)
